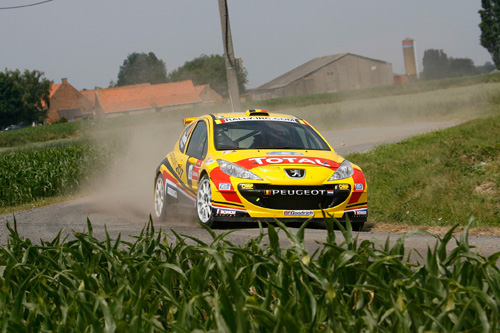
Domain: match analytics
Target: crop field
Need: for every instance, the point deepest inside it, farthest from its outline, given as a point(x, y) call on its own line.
point(29, 175)
point(169, 282)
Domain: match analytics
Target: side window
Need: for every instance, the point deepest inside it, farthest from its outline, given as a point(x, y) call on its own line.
point(184, 137)
point(198, 144)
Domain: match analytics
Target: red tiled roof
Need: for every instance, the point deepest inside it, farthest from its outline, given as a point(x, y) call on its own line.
point(144, 96)
point(53, 89)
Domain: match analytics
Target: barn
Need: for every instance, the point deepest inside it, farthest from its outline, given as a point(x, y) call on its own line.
point(344, 71)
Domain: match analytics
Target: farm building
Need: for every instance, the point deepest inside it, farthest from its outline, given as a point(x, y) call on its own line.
point(344, 71)
point(143, 98)
point(66, 101)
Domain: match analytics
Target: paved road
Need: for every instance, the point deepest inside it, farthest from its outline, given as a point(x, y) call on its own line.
point(124, 201)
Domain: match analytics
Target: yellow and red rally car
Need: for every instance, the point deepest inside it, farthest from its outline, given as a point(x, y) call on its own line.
point(257, 166)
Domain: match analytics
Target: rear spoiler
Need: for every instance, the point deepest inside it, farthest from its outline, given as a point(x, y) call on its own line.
point(187, 121)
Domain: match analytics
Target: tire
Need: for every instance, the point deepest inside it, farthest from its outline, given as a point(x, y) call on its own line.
point(160, 199)
point(204, 202)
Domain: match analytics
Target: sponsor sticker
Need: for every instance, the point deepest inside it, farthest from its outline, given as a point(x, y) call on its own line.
point(226, 212)
point(210, 161)
point(254, 118)
point(343, 187)
point(298, 213)
point(228, 151)
point(298, 192)
point(359, 187)
point(292, 153)
point(171, 192)
point(246, 186)
point(224, 186)
point(279, 160)
point(361, 212)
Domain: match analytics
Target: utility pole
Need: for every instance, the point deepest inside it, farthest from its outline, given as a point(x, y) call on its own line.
point(231, 65)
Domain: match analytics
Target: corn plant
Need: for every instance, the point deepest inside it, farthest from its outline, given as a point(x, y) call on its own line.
point(171, 282)
point(27, 175)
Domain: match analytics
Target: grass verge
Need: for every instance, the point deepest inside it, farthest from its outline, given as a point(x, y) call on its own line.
point(170, 282)
point(437, 178)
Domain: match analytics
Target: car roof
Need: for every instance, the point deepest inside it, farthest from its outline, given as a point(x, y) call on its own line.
point(248, 113)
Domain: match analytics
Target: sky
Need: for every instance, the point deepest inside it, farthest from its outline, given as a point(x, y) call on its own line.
point(86, 41)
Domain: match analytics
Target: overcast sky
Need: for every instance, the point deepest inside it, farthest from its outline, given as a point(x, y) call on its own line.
point(86, 41)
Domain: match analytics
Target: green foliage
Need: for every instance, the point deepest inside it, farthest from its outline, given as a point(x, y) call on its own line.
point(437, 65)
point(61, 120)
point(437, 178)
point(28, 175)
point(208, 70)
point(24, 97)
point(490, 28)
point(169, 282)
point(43, 133)
point(142, 68)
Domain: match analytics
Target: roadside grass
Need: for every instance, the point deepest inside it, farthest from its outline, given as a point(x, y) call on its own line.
point(383, 91)
point(459, 103)
point(30, 135)
point(437, 178)
point(170, 282)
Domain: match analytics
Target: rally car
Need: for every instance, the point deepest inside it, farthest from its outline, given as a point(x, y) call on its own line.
point(257, 166)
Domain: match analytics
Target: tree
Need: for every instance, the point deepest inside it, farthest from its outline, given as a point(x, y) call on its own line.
point(208, 70)
point(462, 67)
point(486, 68)
point(490, 28)
point(435, 64)
point(24, 98)
point(142, 68)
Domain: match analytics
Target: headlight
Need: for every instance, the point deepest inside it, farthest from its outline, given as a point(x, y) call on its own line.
point(236, 171)
point(345, 170)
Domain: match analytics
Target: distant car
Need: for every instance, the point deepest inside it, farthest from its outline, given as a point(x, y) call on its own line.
point(257, 166)
point(13, 127)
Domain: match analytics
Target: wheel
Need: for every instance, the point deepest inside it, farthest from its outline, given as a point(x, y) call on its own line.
point(160, 199)
point(203, 202)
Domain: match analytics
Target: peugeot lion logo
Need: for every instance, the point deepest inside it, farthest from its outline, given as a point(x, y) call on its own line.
point(295, 173)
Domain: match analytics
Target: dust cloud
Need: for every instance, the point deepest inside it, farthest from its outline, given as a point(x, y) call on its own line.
point(125, 190)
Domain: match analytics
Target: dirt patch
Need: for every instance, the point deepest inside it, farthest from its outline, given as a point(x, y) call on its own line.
point(433, 230)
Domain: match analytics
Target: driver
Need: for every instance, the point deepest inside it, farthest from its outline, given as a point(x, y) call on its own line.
point(277, 135)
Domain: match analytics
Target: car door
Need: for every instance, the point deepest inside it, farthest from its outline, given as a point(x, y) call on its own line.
point(195, 154)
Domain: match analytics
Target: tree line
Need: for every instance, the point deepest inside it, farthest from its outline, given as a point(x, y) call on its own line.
point(147, 68)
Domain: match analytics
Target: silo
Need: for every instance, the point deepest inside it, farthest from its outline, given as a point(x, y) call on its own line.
point(409, 52)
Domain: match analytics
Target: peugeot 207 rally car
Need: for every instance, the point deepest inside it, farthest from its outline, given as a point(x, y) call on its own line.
point(257, 166)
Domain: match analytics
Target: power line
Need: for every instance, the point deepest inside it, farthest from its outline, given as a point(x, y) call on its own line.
point(30, 5)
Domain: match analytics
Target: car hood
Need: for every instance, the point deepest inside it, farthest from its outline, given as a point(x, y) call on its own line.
point(274, 166)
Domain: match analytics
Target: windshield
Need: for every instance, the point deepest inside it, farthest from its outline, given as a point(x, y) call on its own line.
point(267, 134)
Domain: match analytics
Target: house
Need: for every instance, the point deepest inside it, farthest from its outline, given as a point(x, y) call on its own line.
point(142, 98)
point(344, 71)
point(66, 101)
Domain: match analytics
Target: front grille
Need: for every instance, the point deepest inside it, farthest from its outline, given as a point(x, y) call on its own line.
point(295, 197)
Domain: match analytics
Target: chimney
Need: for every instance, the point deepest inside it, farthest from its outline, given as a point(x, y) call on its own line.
point(64, 80)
